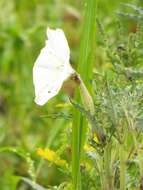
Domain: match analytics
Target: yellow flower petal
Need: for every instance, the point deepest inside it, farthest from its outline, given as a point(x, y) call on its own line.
point(47, 154)
point(51, 156)
point(88, 148)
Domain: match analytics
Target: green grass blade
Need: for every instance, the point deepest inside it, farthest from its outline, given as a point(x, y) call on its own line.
point(87, 49)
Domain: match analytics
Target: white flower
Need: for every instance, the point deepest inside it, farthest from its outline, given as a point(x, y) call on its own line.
point(52, 66)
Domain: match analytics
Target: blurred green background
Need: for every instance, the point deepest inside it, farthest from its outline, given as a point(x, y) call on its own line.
point(23, 124)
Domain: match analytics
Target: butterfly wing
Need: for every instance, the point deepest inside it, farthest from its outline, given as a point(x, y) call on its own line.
point(57, 42)
point(51, 67)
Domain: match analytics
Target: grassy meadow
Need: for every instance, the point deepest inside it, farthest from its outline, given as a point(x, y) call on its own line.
point(65, 144)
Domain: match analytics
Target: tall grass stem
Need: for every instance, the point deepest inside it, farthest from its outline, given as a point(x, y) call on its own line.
point(85, 66)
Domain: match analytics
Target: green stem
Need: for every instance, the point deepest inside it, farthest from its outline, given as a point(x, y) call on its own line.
point(84, 68)
point(108, 182)
point(75, 152)
point(122, 168)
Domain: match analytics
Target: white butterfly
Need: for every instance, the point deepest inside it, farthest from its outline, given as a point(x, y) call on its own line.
point(52, 66)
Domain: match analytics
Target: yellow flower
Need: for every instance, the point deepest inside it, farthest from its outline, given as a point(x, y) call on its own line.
point(46, 154)
point(60, 162)
point(88, 148)
point(95, 138)
point(51, 156)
